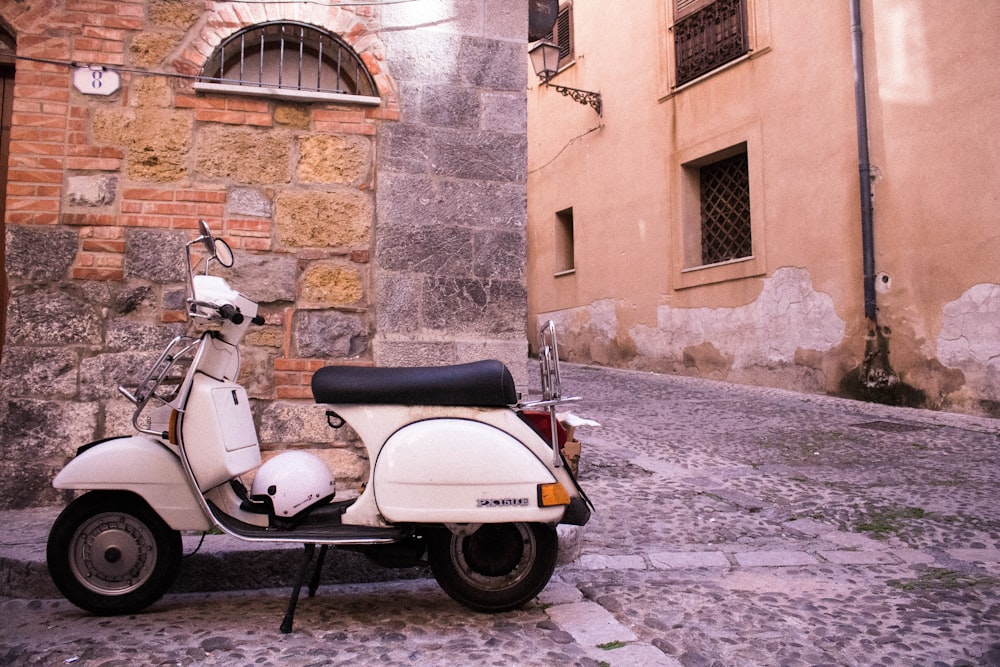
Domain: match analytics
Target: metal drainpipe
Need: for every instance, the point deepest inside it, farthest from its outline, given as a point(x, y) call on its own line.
point(876, 371)
point(864, 167)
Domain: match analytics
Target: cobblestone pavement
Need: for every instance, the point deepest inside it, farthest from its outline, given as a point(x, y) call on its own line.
point(734, 526)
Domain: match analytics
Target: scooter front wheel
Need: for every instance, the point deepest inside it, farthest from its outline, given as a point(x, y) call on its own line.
point(109, 553)
point(498, 567)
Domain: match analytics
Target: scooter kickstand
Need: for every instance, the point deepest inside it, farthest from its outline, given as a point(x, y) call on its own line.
point(286, 623)
point(314, 582)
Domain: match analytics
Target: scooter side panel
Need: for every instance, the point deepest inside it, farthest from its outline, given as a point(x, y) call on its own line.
point(218, 432)
point(459, 471)
point(143, 466)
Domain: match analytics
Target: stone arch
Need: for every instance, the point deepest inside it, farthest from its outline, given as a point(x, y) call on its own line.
point(358, 29)
point(289, 56)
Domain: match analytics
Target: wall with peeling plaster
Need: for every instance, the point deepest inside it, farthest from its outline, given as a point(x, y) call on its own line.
point(970, 340)
point(789, 322)
point(791, 315)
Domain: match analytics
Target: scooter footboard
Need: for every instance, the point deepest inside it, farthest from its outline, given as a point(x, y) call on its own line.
point(460, 471)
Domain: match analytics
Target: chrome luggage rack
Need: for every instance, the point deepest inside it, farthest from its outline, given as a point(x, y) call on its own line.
point(548, 360)
point(164, 378)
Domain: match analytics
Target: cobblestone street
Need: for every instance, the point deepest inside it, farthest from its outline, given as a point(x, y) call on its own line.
point(734, 526)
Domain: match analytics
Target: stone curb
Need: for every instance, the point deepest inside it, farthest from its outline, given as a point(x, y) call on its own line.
point(220, 563)
point(223, 563)
point(778, 558)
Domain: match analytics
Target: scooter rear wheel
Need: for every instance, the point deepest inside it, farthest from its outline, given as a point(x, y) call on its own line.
point(497, 568)
point(109, 553)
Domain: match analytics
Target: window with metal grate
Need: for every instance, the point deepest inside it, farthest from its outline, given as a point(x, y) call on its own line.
point(725, 210)
point(708, 35)
point(288, 59)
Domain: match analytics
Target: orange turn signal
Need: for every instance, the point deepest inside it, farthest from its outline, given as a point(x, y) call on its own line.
point(552, 494)
point(172, 428)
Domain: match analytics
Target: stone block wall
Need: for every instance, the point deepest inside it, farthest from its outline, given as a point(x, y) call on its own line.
point(385, 235)
point(451, 195)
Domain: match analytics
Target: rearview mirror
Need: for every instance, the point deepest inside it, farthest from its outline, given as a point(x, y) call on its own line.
point(222, 253)
point(217, 249)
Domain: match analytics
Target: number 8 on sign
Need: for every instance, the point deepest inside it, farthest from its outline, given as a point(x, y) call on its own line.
point(96, 81)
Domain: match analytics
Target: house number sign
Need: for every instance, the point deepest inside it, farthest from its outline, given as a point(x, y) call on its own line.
point(96, 81)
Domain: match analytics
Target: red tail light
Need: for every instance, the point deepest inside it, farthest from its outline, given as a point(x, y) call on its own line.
point(540, 421)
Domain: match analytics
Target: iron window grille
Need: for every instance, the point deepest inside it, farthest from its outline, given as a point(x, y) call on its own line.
point(725, 210)
point(288, 57)
point(709, 37)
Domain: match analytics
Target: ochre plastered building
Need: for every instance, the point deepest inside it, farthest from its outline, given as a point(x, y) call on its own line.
point(365, 160)
point(710, 221)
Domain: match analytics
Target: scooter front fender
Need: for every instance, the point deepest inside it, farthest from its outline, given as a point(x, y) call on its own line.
point(460, 471)
point(145, 467)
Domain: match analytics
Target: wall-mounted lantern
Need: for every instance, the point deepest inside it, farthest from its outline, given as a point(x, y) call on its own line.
point(545, 60)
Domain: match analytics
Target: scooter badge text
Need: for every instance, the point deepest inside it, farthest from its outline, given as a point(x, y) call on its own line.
point(503, 502)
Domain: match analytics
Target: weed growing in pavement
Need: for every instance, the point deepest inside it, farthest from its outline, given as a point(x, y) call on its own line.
point(941, 578)
point(610, 646)
point(882, 522)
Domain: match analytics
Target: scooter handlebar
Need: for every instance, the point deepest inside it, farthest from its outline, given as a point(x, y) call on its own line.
point(231, 313)
point(226, 311)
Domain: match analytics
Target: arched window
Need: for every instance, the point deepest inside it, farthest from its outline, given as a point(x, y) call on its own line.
point(289, 60)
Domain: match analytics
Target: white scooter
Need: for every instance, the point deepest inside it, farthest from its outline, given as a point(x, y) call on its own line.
point(463, 475)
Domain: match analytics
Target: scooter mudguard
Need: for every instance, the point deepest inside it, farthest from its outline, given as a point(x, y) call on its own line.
point(143, 466)
point(460, 471)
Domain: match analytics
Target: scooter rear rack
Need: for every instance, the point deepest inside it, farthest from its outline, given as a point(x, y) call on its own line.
point(548, 359)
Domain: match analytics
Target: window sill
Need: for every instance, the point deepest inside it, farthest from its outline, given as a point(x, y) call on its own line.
point(286, 93)
point(750, 55)
point(736, 269)
point(565, 67)
point(567, 272)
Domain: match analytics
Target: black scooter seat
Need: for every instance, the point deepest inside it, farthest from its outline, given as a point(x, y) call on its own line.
point(477, 384)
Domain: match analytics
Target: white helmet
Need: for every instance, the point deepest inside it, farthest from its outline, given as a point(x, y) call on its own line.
point(293, 481)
